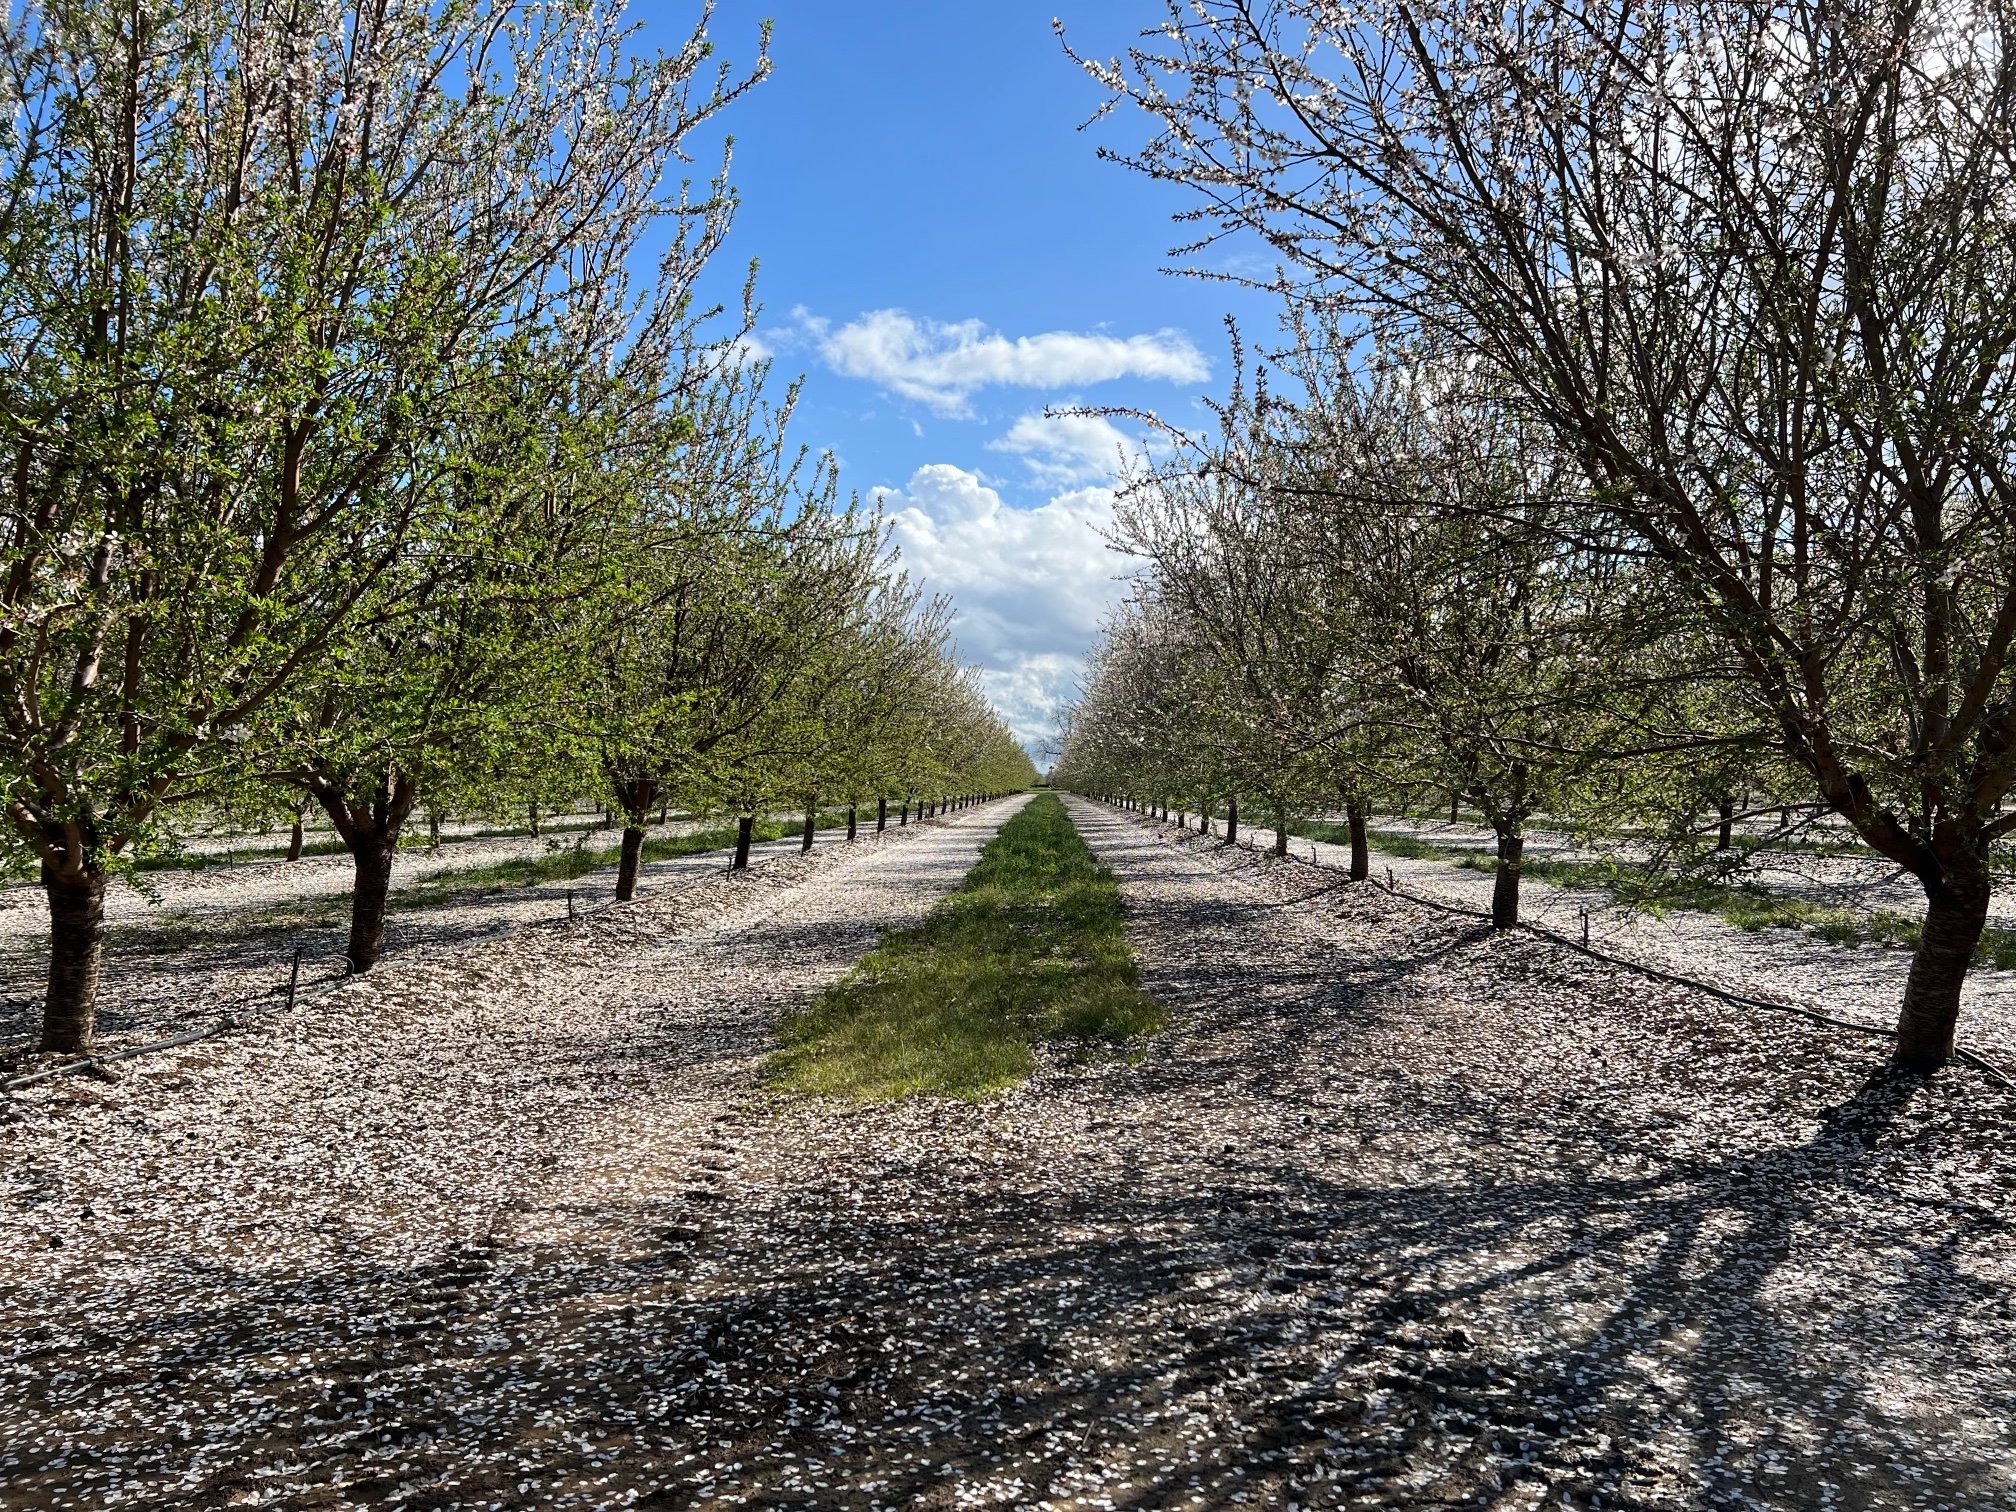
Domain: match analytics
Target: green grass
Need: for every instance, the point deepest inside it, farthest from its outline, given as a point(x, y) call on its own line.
point(1030, 950)
point(1748, 908)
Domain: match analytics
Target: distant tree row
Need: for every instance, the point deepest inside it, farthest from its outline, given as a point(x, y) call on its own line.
point(345, 459)
point(1649, 433)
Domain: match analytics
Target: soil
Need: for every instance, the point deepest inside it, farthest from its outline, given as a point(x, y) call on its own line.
point(1396, 1213)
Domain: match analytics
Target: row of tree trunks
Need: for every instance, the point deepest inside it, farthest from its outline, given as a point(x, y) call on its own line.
point(1957, 905)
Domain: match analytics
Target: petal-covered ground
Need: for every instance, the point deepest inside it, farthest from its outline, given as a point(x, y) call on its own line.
point(1394, 1214)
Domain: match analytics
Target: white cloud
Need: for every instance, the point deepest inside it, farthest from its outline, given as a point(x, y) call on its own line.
point(1028, 585)
point(1065, 449)
point(943, 364)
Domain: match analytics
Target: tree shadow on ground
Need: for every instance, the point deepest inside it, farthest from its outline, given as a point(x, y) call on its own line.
point(1206, 1277)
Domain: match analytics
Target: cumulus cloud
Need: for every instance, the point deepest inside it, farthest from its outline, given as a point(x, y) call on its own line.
point(1065, 449)
point(1028, 585)
point(944, 363)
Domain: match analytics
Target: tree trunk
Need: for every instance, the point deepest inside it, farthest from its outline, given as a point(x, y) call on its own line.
point(811, 825)
point(532, 818)
point(851, 823)
point(296, 839)
point(1361, 852)
point(1505, 887)
point(631, 862)
point(371, 859)
point(370, 831)
point(1232, 820)
point(433, 829)
point(76, 949)
point(1727, 813)
point(881, 815)
point(744, 832)
point(1280, 829)
point(1954, 916)
point(634, 796)
point(905, 819)
point(1455, 807)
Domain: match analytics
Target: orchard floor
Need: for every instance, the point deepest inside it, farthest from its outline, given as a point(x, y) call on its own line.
point(1394, 1214)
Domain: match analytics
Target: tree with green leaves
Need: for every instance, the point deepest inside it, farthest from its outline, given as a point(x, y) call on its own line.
point(251, 259)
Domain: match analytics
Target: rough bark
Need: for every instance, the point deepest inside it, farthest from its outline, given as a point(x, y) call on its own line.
point(745, 828)
point(881, 815)
point(1455, 807)
point(76, 951)
point(1505, 885)
point(296, 839)
point(1727, 814)
point(1954, 916)
point(634, 796)
point(905, 819)
point(532, 818)
point(1361, 851)
point(811, 827)
point(371, 860)
point(370, 831)
point(1280, 829)
point(1232, 821)
point(631, 862)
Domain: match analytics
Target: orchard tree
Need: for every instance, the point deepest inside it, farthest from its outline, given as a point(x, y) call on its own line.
point(1754, 264)
point(249, 257)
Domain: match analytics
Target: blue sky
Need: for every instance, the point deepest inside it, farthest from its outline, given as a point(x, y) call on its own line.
point(943, 257)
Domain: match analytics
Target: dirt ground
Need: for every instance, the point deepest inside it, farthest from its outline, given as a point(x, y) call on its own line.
point(1394, 1214)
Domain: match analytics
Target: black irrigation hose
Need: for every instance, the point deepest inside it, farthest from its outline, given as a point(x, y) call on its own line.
point(230, 1021)
point(1742, 1000)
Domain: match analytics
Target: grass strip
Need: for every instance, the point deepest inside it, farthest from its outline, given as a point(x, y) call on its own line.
point(1751, 908)
point(1030, 950)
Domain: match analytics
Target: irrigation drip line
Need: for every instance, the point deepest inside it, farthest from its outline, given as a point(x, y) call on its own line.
point(575, 915)
point(1742, 1000)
